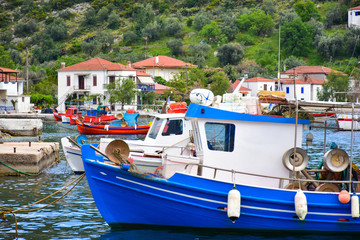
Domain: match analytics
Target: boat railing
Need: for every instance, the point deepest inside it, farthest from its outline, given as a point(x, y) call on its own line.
point(216, 169)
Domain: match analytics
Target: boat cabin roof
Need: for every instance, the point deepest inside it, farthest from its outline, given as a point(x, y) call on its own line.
point(201, 111)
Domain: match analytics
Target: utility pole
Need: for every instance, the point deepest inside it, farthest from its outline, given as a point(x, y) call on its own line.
point(27, 71)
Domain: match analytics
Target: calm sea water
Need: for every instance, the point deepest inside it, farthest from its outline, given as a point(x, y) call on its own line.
point(76, 216)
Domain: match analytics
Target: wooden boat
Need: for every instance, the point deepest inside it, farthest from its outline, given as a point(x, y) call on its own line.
point(169, 133)
point(126, 126)
point(239, 179)
point(57, 115)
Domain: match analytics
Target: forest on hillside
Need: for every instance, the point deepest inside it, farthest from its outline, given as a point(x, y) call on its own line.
point(240, 36)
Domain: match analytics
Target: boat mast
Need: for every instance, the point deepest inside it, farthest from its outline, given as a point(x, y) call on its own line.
point(278, 74)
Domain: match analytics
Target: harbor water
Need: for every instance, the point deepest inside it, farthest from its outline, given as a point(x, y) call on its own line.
point(75, 216)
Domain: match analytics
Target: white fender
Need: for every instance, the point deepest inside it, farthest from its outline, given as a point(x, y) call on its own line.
point(355, 206)
point(106, 127)
point(234, 202)
point(300, 204)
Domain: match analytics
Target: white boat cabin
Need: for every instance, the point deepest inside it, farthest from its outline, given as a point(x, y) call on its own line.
point(251, 144)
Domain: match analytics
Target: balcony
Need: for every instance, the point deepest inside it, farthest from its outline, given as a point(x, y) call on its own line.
point(83, 89)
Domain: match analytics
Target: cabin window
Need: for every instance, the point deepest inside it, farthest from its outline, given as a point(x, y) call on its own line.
point(220, 136)
point(173, 127)
point(302, 89)
point(155, 127)
point(287, 90)
point(67, 80)
point(357, 13)
point(94, 80)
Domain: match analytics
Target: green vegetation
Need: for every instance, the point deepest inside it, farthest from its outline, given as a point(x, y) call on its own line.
point(240, 36)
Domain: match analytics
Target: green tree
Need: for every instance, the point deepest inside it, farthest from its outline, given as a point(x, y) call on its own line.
point(201, 19)
point(122, 91)
point(336, 82)
point(198, 53)
point(90, 18)
point(5, 59)
point(220, 83)
point(113, 22)
point(230, 53)
point(229, 27)
point(130, 37)
point(57, 30)
point(257, 22)
point(296, 38)
point(330, 45)
point(292, 62)
point(336, 16)
point(175, 46)
point(210, 32)
point(306, 10)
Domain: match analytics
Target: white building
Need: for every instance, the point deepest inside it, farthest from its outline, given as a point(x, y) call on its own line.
point(259, 84)
point(306, 89)
point(354, 17)
point(162, 66)
point(91, 78)
point(12, 97)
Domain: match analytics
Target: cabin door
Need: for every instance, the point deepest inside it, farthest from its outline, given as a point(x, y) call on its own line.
point(81, 82)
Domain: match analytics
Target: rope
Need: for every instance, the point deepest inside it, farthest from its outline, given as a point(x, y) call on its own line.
point(164, 148)
point(6, 210)
point(29, 174)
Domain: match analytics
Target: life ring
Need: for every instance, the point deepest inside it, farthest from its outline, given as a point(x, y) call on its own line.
point(301, 159)
point(336, 160)
point(119, 116)
point(328, 187)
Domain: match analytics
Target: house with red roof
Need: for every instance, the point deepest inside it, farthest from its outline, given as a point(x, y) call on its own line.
point(354, 17)
point(306, 88)
point(243, 90)
point(258, 84)
point(162, 66)
point(91, 78)
point(318, 72)
point(308, 82)
point(12, 97)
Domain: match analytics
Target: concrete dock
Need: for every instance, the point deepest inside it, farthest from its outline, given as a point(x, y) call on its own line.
point(28, 157)
point(43, 116)
point(21, 127)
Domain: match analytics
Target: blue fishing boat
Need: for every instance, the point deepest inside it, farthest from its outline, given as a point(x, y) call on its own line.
point(249, 172)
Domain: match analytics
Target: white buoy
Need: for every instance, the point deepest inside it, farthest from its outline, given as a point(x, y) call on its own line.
point(234, 202)
point(300, 204)
point(355, 206)
point(201, 96)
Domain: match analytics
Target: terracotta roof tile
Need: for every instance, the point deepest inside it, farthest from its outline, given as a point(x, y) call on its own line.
point(242, 89)
point(162, 61)
point(354, 8)
point(259, 79)
point(310, 70)
point(307, 80)
point(8, 70)
point(96, 64)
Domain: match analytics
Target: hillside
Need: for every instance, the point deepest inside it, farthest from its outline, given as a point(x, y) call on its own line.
point(241, 36)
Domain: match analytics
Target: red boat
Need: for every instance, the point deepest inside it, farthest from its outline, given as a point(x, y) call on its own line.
point(124, 125)
point(93, 128)
point(57, 115)
point(322, 114)
point(103, 119)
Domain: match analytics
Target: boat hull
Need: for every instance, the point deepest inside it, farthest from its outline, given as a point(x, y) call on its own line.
point(73, 156)
point(85, 128)
point(183, 200)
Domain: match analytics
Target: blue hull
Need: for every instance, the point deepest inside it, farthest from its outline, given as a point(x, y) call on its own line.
point(126, 198)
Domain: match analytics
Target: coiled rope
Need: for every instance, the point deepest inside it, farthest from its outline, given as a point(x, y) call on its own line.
point(6, 210)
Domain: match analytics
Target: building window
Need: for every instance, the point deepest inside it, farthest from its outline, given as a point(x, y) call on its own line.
point(265, 86)
point(302, 89)
point(94, 100)
point(220, 136)
point(287, 90)
point(23, 99)
point(68, 81)
point(94, 80)
point(112, 79)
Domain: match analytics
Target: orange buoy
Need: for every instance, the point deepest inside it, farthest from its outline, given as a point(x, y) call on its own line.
point(344, 197)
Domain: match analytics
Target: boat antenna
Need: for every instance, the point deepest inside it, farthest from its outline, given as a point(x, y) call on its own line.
point(296, 127)
point(351, 148)
point(278, 74)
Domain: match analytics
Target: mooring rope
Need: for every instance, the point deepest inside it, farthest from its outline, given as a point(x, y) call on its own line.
point(19, 171)
point(6, 210)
